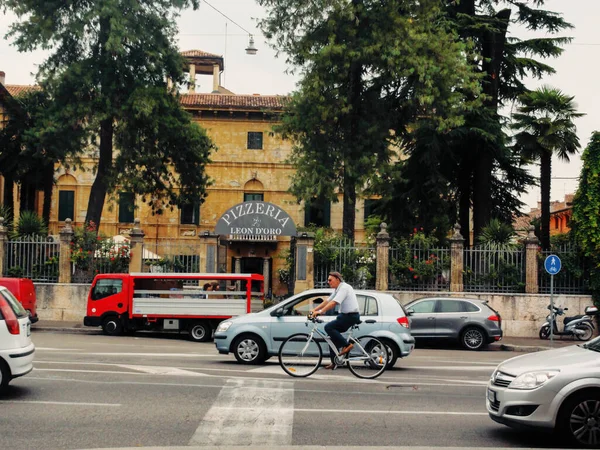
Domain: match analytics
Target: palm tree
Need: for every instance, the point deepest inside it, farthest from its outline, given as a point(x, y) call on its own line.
point(545, 126)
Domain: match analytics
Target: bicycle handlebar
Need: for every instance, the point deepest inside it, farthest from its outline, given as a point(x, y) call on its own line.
point(314, 319)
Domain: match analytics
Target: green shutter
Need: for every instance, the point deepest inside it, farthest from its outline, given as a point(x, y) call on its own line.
point(66, 205)
point(126, 207)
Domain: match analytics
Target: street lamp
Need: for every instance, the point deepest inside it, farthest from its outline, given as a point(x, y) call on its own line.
point(251, 49)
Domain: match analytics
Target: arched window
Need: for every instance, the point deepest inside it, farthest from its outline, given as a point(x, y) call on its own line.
point(254, 191)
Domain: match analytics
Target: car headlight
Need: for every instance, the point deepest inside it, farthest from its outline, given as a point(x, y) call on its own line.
point(224, 326)
point(532, 380)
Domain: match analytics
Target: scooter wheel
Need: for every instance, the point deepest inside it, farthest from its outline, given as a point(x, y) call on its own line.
point(588, 332)
point(545, 332)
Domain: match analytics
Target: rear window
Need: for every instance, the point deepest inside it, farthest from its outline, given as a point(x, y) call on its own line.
point(18, 309)
point(470, 307)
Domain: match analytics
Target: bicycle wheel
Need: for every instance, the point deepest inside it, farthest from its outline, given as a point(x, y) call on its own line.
point(368, 357)
point(300, 355)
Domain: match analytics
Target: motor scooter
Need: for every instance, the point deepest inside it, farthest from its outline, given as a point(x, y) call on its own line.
point(581, 326)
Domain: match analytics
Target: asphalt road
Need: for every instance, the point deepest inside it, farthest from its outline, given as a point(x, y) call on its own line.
point(94, 391)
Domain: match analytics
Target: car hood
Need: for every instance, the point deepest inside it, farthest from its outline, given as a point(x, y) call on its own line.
point(567, 358)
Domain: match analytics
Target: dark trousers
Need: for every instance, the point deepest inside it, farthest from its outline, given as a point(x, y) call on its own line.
point(336, 327)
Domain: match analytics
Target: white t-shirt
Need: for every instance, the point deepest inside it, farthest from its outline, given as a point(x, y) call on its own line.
point(345, 297)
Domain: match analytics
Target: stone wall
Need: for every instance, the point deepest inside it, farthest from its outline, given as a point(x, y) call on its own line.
point(522, 314)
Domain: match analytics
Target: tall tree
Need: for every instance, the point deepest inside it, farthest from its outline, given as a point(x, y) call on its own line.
point(370, 71)
point(585, 222)
point(504, 64)
point(109, 68)
point(545, 126)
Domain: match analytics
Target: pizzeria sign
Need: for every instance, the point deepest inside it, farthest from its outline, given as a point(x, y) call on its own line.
point(256, 219)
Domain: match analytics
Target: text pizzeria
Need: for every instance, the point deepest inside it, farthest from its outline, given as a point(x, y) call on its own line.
point(245, 209)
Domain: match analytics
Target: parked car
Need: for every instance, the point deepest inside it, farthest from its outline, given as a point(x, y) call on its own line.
point(551, 390)
point(24, 290)
point(16, 348)
point(471, 322)
point(253, 338)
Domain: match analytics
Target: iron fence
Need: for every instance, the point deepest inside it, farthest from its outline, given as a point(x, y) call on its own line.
point(106, 256)
point(489, 269)
point(171, 256)
point(357, 264)
point(572, 278)
point(419, 268)
point(34, 257)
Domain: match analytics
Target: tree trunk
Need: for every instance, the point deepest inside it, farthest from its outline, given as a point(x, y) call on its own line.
point(545, 177)
point(48, 185)
point(493, 54)
point(99, 188)
point(464, 200)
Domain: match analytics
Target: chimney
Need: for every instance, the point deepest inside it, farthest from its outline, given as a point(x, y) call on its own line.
point(2, 77)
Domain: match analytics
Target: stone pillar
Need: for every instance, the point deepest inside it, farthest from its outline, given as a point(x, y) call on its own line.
point(267, 274)
point(383, 258)
point(3, 241)
point(136, 247)
point(531, 262)
point(64, 259)
point(192, 82)
point(305, 262)
point(456, 260)
point(216, 81)
point(208, 252)
point(237, 264)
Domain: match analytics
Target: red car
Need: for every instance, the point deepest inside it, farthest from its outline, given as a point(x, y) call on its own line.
point(24, 290)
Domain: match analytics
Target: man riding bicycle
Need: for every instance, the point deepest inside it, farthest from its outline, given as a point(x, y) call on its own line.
point(344, 296)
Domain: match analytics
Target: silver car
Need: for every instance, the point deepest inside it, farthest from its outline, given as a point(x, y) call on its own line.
point(471, 322)
point(253, 338)
point(551, 390)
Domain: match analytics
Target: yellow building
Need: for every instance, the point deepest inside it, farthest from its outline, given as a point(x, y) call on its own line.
point(249, 165)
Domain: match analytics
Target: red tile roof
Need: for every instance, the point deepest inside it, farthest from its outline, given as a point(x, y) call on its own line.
point(18, 89)
point(199, 53)
point(241, 102)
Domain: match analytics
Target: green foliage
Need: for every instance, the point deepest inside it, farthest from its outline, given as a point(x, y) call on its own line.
point(585, 225)
point(95, 252)
point(29, 224)
point(7, 214)
point(498, 235)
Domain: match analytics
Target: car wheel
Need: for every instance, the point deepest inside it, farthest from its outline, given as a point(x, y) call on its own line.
point(249, 349)
point(588, 332)
point(579, 420)
point(545, 332)
point(112, 326)
point(473, 338)
point(200, 332)
point(392, 353)
point(4, 375)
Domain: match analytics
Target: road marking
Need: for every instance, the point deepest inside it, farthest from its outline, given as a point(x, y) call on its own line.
point(364, 411)
point(249, 413)
point(59, 403)
point(160, 370)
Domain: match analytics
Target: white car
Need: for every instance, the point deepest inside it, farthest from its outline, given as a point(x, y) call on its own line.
point(554, 390)
point(16, 348)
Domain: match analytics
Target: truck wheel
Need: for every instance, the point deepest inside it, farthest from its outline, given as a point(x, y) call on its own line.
point(200, 332)
point(112, 326)
point(249, 349)
point(4, 375)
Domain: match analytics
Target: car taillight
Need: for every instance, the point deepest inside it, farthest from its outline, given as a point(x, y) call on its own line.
point(494, 318)
point(12, 323)
point(403, 321)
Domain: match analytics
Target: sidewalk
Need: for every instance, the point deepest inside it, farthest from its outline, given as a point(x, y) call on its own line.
point(511, 344)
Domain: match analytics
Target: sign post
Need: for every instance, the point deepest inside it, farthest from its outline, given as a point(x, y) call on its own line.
point(552, 265)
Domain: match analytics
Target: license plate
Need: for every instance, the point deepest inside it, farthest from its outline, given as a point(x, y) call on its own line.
point(491, 396)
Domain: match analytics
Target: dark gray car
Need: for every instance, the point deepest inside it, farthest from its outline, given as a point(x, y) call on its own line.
point(471, 322)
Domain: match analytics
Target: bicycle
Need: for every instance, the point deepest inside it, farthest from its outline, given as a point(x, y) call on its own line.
point(301, 355)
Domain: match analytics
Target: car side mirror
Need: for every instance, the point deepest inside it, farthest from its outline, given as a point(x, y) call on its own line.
point(410, 312)
point(277, 313)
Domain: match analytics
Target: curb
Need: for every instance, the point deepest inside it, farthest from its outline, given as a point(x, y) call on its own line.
point(68, 330)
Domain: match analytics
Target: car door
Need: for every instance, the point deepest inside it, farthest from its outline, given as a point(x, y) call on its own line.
point(293, 319)
point(423, 318)
point(369, 315)
point(450, 317)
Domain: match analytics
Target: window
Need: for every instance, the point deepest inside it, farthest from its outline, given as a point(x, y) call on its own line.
point(470, 307)
point(126, 206)
point(423, 307)
point(367, 306)
point(317, 213)
point(372, 207)
point(66, 205)
point(255, 140)
point(450, 306)
point(106, 287)
point(253, 197)
point(190, 214)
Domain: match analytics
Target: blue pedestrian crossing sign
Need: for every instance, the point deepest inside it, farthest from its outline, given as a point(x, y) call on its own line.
point(552, 264)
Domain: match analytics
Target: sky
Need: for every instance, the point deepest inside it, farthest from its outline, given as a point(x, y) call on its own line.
point(208, 30)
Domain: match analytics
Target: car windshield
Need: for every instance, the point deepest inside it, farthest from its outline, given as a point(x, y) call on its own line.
point(593, 345)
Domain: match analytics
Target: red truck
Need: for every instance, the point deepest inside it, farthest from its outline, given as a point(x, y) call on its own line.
point(192, 302)
point(24, 290)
